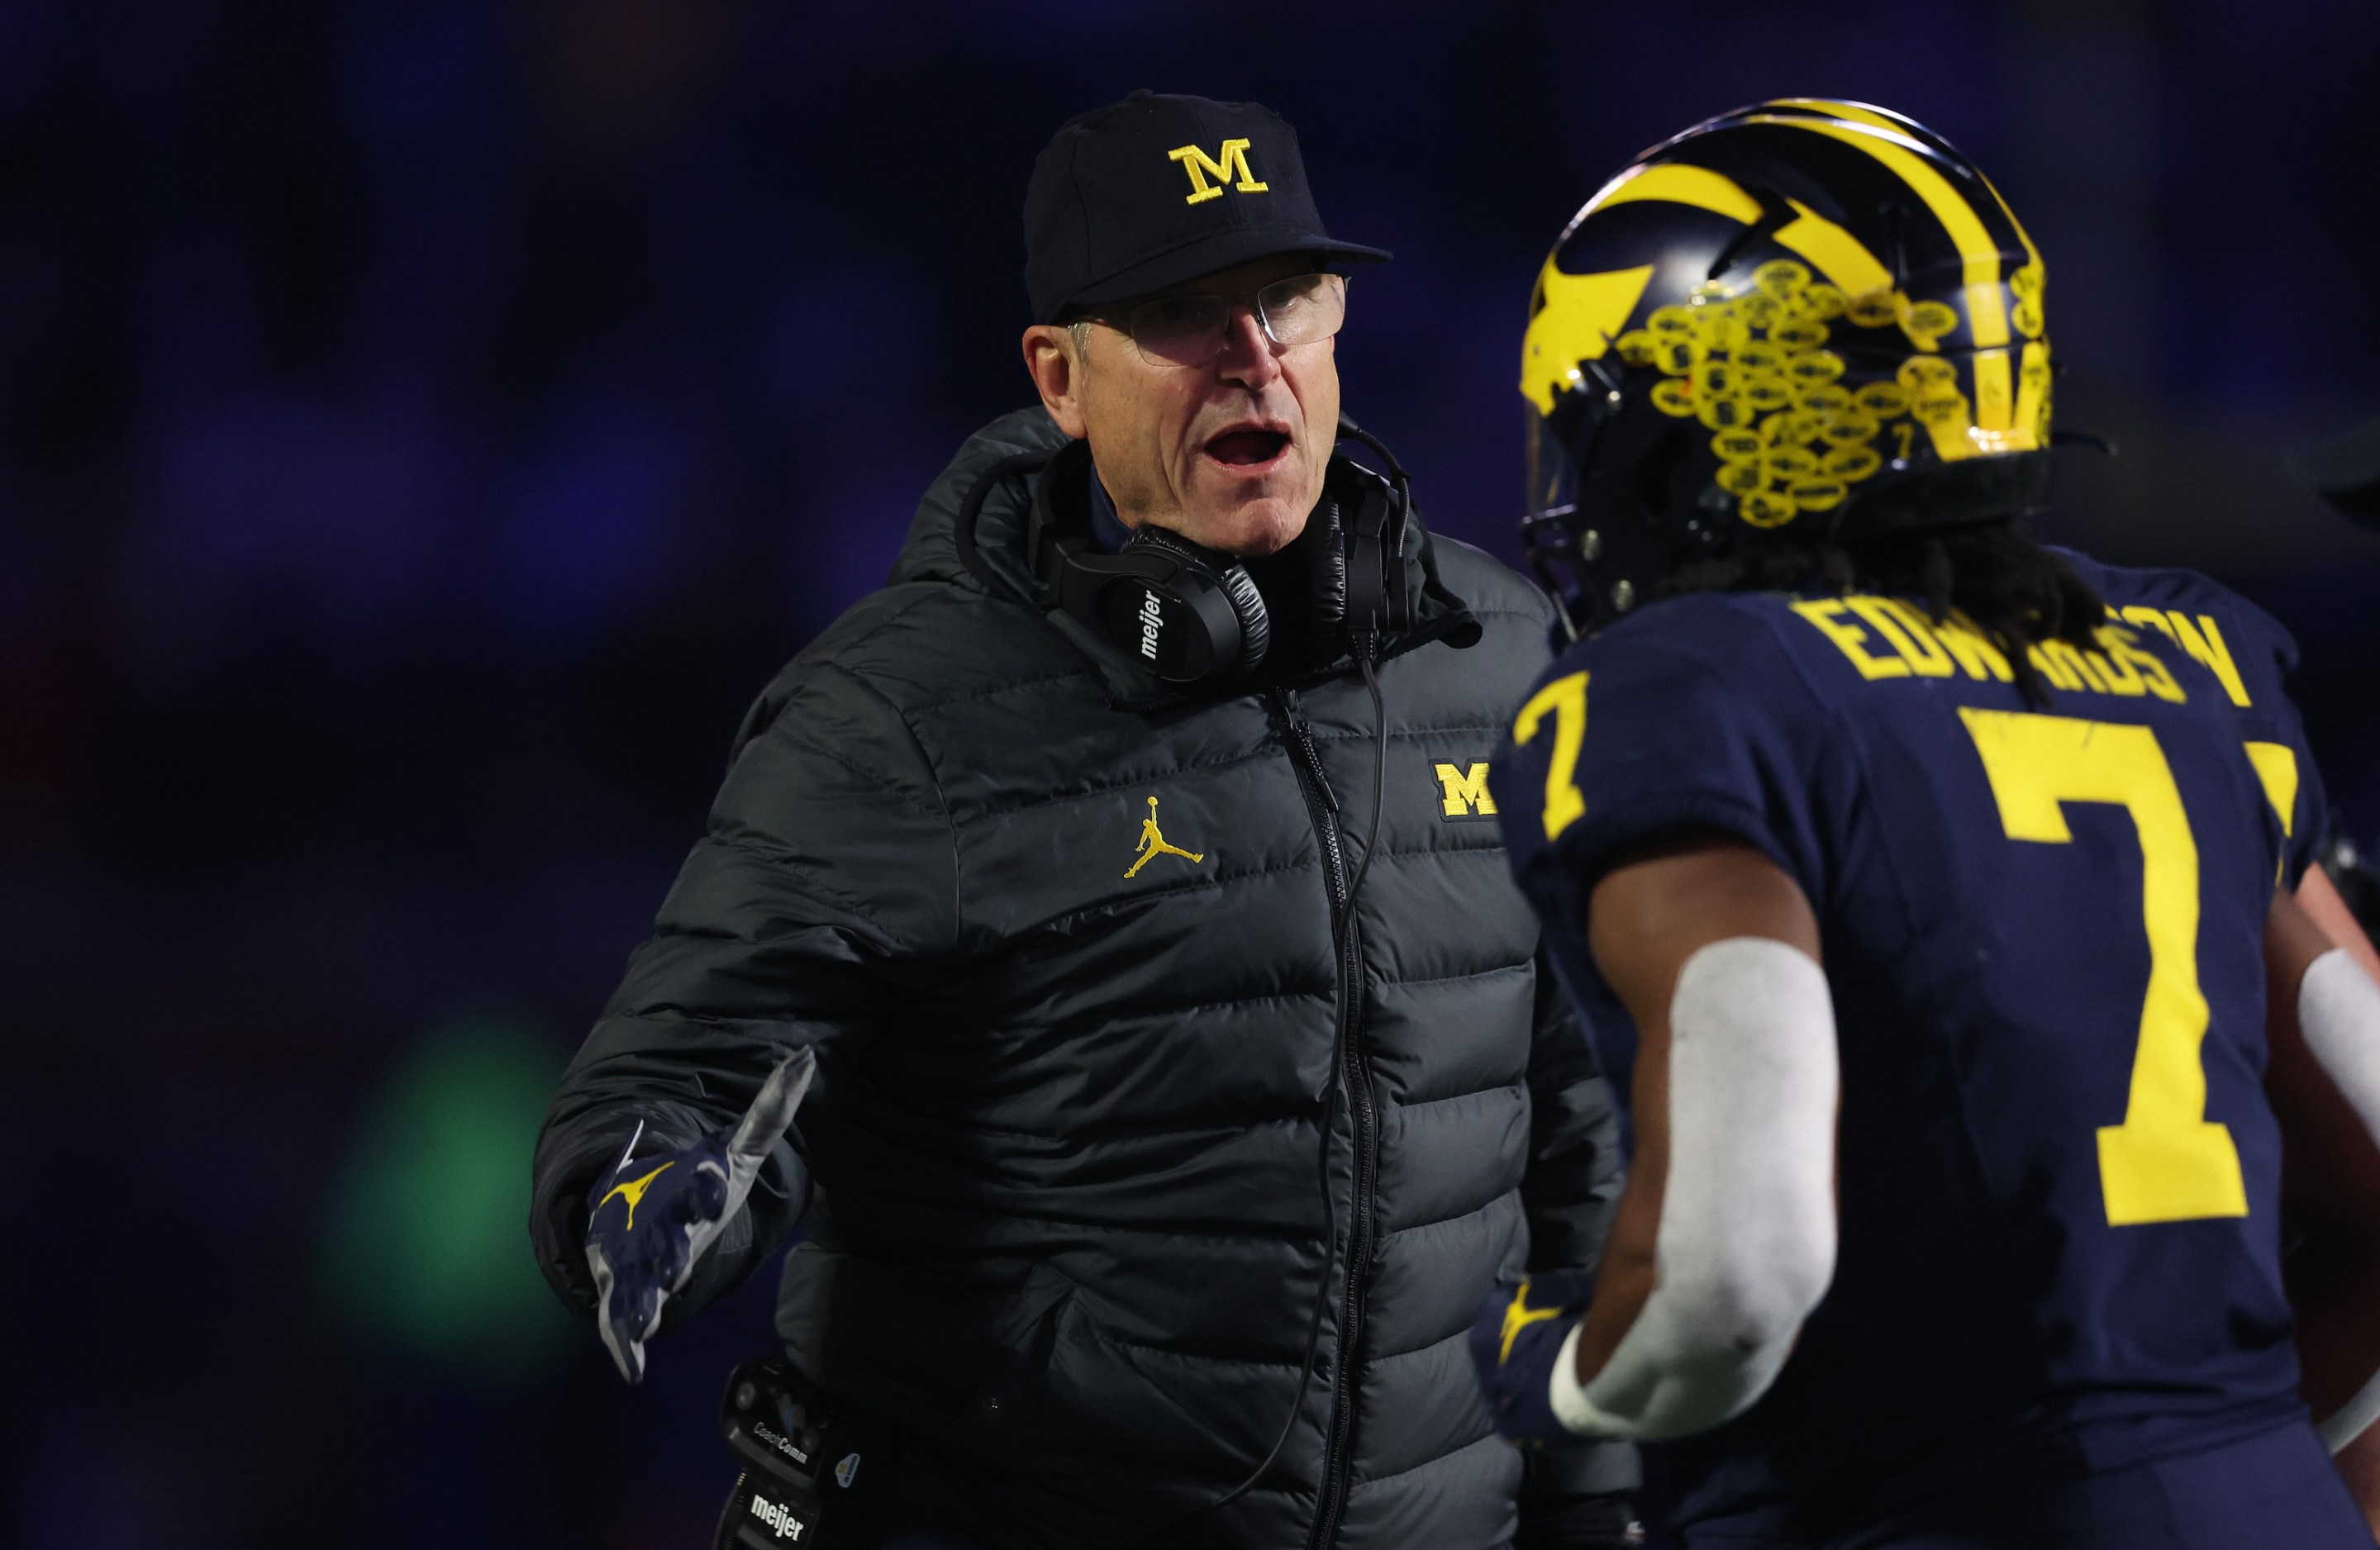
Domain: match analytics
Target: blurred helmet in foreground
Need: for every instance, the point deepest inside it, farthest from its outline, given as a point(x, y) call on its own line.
point(1800, 321)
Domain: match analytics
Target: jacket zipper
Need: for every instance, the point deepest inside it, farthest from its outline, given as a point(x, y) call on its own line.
point(1322, 803)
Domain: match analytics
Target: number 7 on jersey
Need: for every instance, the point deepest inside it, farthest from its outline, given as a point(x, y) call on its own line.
point(1565, 701)
point(2166, 1162)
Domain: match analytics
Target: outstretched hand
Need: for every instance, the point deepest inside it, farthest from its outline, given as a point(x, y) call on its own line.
point(650, 1219)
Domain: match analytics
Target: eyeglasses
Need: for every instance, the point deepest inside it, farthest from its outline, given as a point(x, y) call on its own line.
point(1193, 328)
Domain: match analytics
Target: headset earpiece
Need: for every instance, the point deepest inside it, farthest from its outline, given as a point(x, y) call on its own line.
point(1202, 618)
point(1380, 601)
point(1374, 572)
point(1180, 610)
point(1325, 546)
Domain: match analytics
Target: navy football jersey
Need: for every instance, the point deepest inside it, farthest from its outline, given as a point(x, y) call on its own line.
point(2043, 929)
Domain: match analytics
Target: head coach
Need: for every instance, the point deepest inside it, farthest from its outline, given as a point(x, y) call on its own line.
point(1186, 1068)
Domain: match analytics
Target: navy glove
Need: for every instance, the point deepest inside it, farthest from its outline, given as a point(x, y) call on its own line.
point(651, 1218)
point(1514, 1343)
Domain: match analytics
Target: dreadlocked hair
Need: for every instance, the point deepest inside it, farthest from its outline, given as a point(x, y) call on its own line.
point(2014, 592)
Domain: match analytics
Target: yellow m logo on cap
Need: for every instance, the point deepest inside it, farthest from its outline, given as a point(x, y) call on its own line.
point(1466, 790)
point(1201, 166)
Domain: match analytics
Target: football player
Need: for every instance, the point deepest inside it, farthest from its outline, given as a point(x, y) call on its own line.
point(1936, 885)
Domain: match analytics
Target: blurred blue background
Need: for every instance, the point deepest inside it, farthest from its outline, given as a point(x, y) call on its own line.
point(424, 424)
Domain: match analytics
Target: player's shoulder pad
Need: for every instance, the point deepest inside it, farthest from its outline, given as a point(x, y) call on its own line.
point(1694, 713)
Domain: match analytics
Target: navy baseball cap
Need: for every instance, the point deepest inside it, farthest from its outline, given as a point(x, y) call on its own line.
point(1147, 193)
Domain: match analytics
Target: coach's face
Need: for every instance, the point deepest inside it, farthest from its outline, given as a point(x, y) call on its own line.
point(1228, 453)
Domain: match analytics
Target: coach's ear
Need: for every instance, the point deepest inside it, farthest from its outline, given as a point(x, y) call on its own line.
point(1054, 360)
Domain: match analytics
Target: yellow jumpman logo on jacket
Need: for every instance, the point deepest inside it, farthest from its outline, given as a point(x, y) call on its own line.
point(1518, 1316)
point(633, 1191)
point(1152, 842)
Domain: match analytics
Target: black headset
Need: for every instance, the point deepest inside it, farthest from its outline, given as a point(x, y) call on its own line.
point(1191, 614)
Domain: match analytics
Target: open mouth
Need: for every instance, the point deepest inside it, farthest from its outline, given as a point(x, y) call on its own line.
point(1248, 446)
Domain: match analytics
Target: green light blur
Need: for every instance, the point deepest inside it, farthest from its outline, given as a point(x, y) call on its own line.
point(427, 1244)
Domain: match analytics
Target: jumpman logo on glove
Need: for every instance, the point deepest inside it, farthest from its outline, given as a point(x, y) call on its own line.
point(1515, 1341)
point(652, 1219)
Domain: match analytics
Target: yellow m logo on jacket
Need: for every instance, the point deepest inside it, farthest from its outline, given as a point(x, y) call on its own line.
point(1201, 166)
point(1466, 790)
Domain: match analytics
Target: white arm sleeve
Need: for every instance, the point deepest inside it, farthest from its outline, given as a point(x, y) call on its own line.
point(1746, 1243)
point(2338, 1011)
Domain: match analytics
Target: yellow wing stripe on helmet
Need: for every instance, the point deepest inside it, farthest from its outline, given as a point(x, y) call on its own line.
point(1678, 183)
point(1987, 323)
point(1579, 315)
point(1839, 256)
point(1859, 113)
point(1582, 315)
point(1995, 391)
